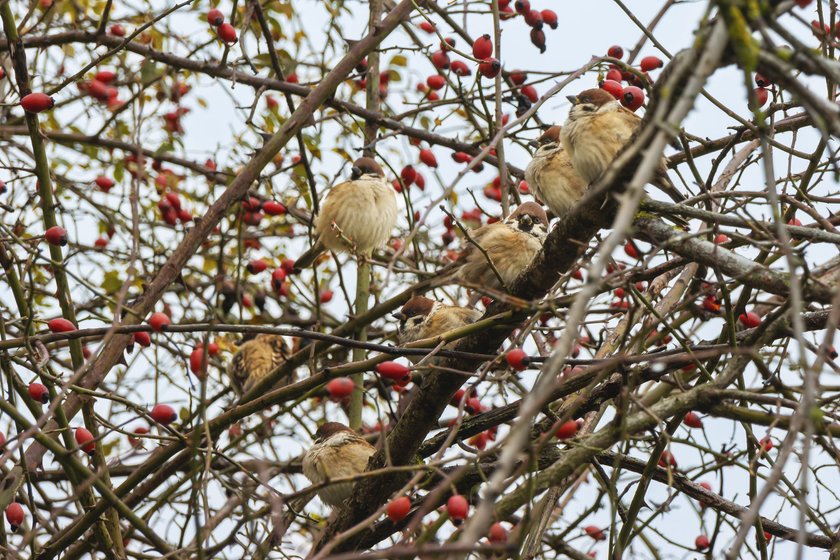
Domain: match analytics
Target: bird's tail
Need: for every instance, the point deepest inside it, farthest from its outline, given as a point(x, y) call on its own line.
point(309, 256)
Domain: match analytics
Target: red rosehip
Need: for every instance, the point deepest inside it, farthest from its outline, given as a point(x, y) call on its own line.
point(497, 533)
point(567, 430)
point(215, 17)
point(549, 18)
point(56, 235)
point(100, 242)
point(288, 265)
point(197, 362)
point(273, 208)
point(142, 338)
point(632, 97)
point(14, 515)
point(326, 296)
point(256, 266)
point(522, 6)
point(460, 68)
point(761, 81)
point(667, 459)
point(766, 444)
point(483, 47)
point(649, 63)
point(105, 76)
point(462, 157)
point(428, 157)
point(615, 51)
point(767, 536)
point(117, 30)
point(692, 420)
point(710, 303)
point(2, 73)
point(803, 3)
point(426, 26)
point(750, 319)
point(60, 325)
point(408, 174)
point(2, 441)
point(538, 38)
point(226, 33)
point(104, 183)
point(702, 542)
point(613, 88)
point(393, 370)
point(518, 77)
point(36, 102)
point(398, 508)
point(159, 321)
point(85, 440)
point(517, 359)
point(721, 239)
point(448, 43)
point(490, 68)
point(39, 392)
point(440, 60)
point(340, 388)
point(595, 532)
point(163, 414)
point(534, 19)
point(615, 75)
point(631, 250)
point(457, 507)
point(530, 92)
point(436, 81)
point(138, 431)
point(761, 96)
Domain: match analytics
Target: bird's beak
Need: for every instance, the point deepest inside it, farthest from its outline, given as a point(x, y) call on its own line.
point(572, 99)
point(355, 172)
point(399, 316)
point(534, 143)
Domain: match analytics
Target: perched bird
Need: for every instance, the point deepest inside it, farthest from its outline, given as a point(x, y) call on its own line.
point(510, 244)
point(551, 176)
point(422, 317)
point(338, 452)
point(597, 129)
point(255, 359)
point(356, 216)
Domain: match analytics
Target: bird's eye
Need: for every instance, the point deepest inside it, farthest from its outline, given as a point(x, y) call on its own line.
point(588, 107)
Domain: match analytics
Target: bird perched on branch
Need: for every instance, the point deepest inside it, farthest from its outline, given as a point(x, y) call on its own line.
point(551, 176)
point(338, 452)
point(510, 245)
point(357, 216)
point(255, 359)
point(422, 317)
point(597, 129)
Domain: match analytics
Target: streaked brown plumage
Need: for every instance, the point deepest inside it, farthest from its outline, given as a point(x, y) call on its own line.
point(422, 317)
point(357, 215)
point(551, 176)
point(510, 244)
point(255, 359)
point(597, 129)
point(338, 452)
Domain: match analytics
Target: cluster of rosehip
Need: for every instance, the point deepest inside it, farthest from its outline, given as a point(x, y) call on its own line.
point(224, 31)
point(535, 19)
point(100, 88)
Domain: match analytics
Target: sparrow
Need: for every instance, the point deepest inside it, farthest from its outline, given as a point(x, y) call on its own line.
point(254, 360)
point(551, 176)
point(338, 452)
point(422, 317)
point(597, 129)
point(510, 244)
point(356, 216)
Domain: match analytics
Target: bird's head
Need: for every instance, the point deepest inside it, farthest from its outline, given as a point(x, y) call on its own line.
point(530, 218)
point(549, 140)
point(328, 429)
point(414, 312)
point(365, 166)
point(589, 102)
